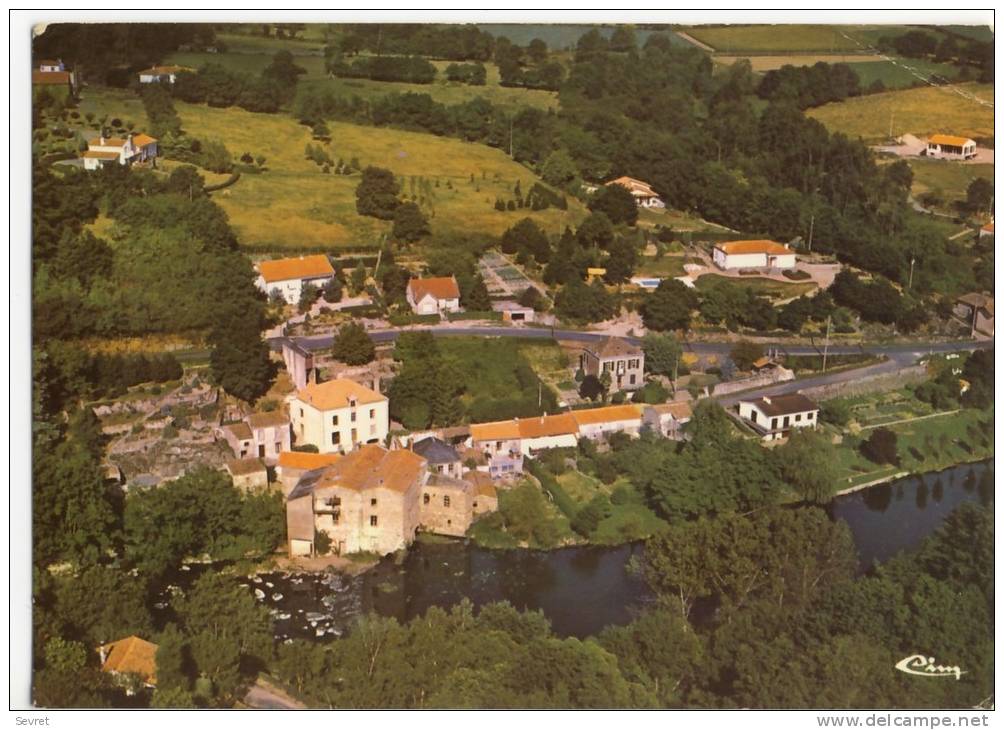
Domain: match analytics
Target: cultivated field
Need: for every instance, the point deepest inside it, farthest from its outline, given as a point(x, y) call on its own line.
point(779, 290)
point(921, 111)
point(771, 63)
point(771, 38)
point(901, 73)
point(293, 205)
point(949, 179)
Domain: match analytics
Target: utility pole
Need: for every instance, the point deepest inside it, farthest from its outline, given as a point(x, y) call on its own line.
point(892, 115)
point(826, 344)
point(910, 283)
point(812, 224)
point(510, 138)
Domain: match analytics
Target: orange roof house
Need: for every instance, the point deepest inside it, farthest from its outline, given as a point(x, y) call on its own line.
point(760, 253)
point(950, 140)
point(131, 655)
point(52, 78)
point(434, 295)
point(607, 414)
point(302, 267)
point(306, 460)
point(339, 393)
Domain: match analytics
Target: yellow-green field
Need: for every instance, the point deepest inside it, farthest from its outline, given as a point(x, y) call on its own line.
point(766, 38)
point(770, 63)
point(921, 112)
point(950, 179)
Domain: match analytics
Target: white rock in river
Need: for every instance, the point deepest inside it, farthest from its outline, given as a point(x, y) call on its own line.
point(276, 596)
point(319, 632)
point(259, 594)
point(256, 579)
point(269, 584)
point(185, 568)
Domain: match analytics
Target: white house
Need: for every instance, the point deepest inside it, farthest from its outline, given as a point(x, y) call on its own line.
point(338, 415)
point(753, 255)
point(597, 423)
point(774, 417)
point(158, 74)
point(128, 151)
point(644, 195)
point(435, 295)
point(668, 419)
point(289, 276)
point(950, 147)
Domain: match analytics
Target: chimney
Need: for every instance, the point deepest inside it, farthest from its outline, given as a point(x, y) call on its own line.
point(766, 399)
point(101, 141)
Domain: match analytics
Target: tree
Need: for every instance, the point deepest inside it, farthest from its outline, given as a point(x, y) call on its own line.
point(617, 202)
point(809, 464)
point(881, 447)
point(531, 297)
point(102, 604)
point(409, 223)
point(591, 388)
point(376, 194)
point(669, 307)
point(353, 346)
point(320, 131)
point(308, 295)
point(559, 169)
point(332, 291)
point(239, 360)
point(662, 354)
point(744, 353)
point(174, 664)
point(527, 236)
point(979, 195)
point(581, 302)
point(474, 295)
point(595, 231)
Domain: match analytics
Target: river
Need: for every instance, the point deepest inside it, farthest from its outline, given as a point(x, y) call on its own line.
point(579, 589)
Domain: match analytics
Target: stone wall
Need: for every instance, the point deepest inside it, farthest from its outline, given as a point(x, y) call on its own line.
point(869, 384)
point(768, 377)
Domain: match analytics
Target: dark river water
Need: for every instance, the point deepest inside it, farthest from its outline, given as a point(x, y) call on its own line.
point(580, 589)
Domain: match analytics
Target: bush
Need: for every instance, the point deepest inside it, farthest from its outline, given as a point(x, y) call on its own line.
point(881, 447)
point(796, 274)
point(835, 412)
point(322, 542)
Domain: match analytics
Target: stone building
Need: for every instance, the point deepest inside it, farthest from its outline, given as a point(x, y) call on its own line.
point(338, 415)
point(262, 435)
point(618, 358)
point(441, 456)
point(248, 474)
point(376, 500)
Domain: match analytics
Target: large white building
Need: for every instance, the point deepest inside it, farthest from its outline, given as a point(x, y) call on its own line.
point(759, 254)
point(132, 149)
point(289, 276)
point(159, 74)
point(950, 147)
point(774, 417)
point(338, 415)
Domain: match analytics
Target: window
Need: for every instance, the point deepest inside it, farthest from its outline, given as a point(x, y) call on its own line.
point(301, 413)
point(633, 376)
point(425, 499)
point(446, 501)
point(753, 416)
point(475, 505)
point(373, 520)
point(372, 412)
point(498, 445)
point(373, 502)
point(798, 417)
point(244, 452)
point(439, 469)
point(787, 419)
point(352, 416)
point(773, 423)
point(334, 420)
point(261, 450)
point(336, 437)
point(355, 436)
point(633, 364)
point(372, 429)
point(278, 446)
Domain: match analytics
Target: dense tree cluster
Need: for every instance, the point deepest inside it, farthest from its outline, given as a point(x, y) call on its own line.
point(453, 42)
point(473, 74)
point(407, 69)
point(214, 85)
point(808, 86)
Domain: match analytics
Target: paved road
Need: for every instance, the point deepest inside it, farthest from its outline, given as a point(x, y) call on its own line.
point(322, 342)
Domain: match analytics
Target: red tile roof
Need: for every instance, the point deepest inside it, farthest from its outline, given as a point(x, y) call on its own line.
point(51, 78)
point(745, 247)
point(303, 267)
point(443, 287)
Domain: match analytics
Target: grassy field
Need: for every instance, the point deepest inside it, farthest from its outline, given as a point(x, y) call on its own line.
point(948, 179)
point(767, 38)
point(921, 112)
point(760, 285)
point(668, 265)
point(675, 219)
point(293, 205)
point(901, 73)
point(770, 63)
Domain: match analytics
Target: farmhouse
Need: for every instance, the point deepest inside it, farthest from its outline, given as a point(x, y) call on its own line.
point(773, 417)
point(292, 465)
point(374, 499)
point(260, 435)
point(504, 443)
point(161, 74)
point(59, 81)
point(48, 65)
point(441, 457)
point(140, 148)
point(131, 656)
point(759, 254)
point(949, 147)
point(622, 361)
point(248, 474)
point(338, 415)
point(644, 195)
point(432, 296)
point(976, 310)
point(597, 423)
point(289, 276)
point(668, 419)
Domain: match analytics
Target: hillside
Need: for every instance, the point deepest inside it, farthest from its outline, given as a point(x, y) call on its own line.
point(294, 205)
point(964, 109)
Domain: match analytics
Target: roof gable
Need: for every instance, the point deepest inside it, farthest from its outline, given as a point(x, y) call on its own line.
point(435, 451)
point(131, 655)
point(950, 139)
point(615, 347)
point(337, 394)
point(780, 405)
point(734, 248)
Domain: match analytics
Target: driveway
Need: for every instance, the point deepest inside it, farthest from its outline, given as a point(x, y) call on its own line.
point(264, 695)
